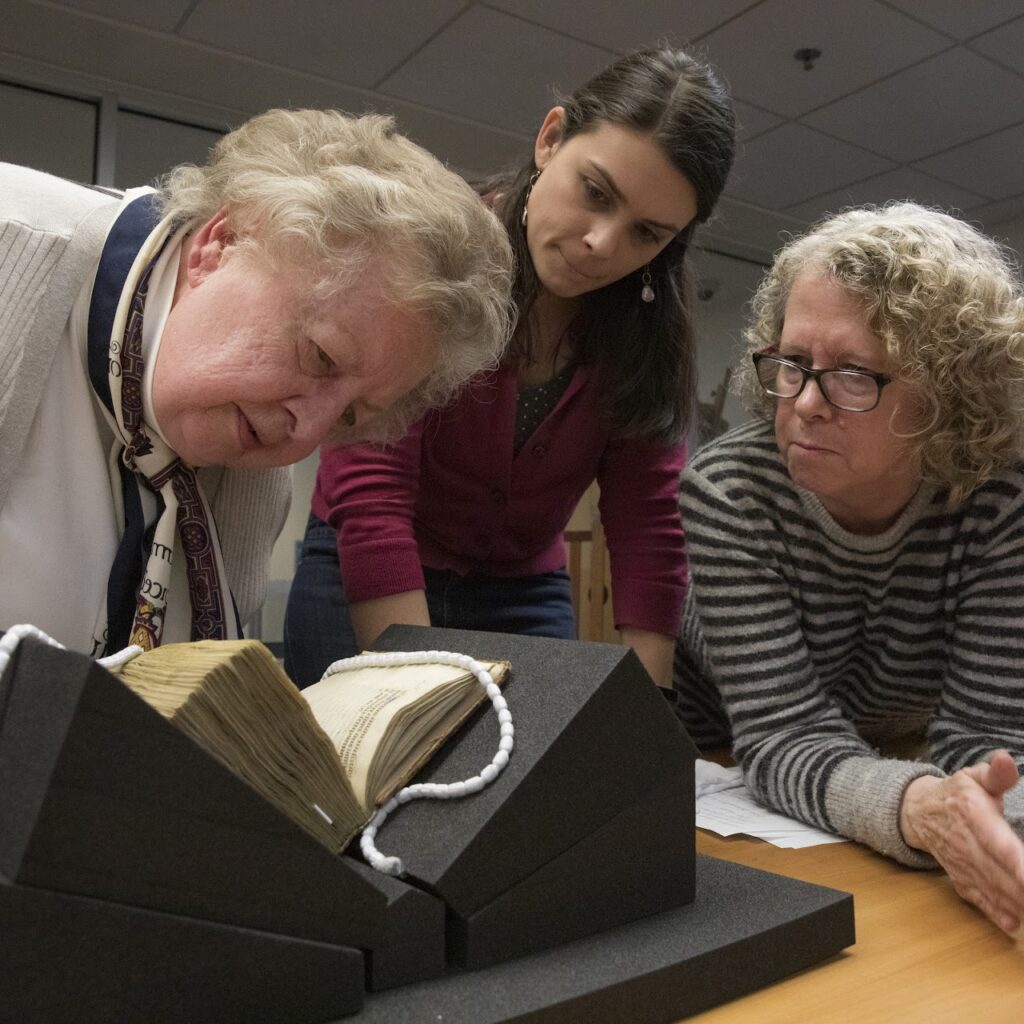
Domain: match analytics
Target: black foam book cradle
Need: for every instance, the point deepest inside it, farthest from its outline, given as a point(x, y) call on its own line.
point(140, 880)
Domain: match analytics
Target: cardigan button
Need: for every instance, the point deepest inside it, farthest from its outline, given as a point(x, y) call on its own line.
point(539, 451)
point(499, 498)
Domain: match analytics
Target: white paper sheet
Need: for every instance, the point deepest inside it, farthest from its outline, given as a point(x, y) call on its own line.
point(725, 806)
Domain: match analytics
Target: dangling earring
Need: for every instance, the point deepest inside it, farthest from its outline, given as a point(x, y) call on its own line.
point(647, 292)
point(529, 192)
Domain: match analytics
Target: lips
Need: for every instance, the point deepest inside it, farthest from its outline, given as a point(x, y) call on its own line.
point(813, 449)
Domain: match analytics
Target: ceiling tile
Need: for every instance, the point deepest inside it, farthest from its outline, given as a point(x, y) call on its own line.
point(1010, 233)
point(992, 215)
point(859, 42)
point(495, 68)
point(895, 116)
point(747, 230)
point(500, 67)
point(753, 120)
point(901, 183)
point(960, 18)
point(162, 75)
point(793, 163)
point(990, 166)
point(1005, 44)
point(162, 17)
point(344, 40)
point(622, 26)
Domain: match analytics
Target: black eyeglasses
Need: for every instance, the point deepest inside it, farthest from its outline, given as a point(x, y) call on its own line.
point(850, 390)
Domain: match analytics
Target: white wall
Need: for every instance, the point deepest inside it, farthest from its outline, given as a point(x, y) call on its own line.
point(725, 285)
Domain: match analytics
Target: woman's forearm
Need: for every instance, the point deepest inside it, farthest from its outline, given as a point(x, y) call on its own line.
point(371, 618)
point(655, 652)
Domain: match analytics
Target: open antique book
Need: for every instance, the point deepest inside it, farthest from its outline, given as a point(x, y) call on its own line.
point(326, 756)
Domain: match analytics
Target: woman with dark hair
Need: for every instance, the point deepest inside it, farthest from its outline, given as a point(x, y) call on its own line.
point(460, 524)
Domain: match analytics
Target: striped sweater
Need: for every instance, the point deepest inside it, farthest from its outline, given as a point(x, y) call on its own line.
point(809, 643)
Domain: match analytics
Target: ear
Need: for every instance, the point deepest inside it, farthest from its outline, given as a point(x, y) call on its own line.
point(208, 247)
point(549, 138)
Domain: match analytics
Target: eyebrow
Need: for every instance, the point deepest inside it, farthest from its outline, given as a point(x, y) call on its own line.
point(844, 357)
point(609, 183)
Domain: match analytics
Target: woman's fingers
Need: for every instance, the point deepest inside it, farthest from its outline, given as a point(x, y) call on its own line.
point(959, 820)
point(998, 775)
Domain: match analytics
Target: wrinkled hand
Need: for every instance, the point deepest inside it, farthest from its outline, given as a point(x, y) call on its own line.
point(959, 821)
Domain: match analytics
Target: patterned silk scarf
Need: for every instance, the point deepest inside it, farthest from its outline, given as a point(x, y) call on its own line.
point(139, 586)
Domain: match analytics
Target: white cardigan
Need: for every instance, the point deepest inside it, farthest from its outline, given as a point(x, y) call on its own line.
point(51, 235)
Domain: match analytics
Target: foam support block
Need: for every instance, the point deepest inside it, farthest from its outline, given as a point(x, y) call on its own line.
point(72, 960)
point(589, 826)
point(584, 844)
point(102, 797)
point(745, 929)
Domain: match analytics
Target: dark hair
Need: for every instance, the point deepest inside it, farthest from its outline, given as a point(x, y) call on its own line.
point(643, 352)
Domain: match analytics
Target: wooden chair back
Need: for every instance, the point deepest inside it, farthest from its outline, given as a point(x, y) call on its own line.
point(587, 563)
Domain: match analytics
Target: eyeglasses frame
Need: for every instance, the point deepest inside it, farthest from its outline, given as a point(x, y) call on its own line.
point(881, 379)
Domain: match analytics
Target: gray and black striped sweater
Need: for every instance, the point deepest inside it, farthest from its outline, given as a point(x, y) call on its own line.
point(818, 642)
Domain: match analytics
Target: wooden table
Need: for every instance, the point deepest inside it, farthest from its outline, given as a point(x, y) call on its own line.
point(922, 953)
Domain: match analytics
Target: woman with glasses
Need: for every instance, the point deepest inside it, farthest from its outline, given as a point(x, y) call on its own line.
point(857, 551)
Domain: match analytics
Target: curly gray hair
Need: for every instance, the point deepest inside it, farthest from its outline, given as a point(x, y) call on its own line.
point(946, 302)
point(346, 195)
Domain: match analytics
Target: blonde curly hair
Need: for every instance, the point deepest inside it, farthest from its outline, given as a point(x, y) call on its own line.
point(347, 197)
point(946, 302)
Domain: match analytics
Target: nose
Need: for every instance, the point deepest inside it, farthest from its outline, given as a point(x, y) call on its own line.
point(315, 414)
point(600, 238)
point(811, 403)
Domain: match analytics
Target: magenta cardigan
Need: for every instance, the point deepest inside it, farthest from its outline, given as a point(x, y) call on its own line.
point(451, 495)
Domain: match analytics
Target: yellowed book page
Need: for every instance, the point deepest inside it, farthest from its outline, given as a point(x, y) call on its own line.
point(360, 711)
point(232, 698)
point(415, 733)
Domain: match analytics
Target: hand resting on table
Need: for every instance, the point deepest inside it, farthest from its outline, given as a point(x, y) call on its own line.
point(959, 821)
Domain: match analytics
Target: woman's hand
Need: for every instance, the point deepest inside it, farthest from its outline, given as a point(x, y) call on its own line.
point(959, 821)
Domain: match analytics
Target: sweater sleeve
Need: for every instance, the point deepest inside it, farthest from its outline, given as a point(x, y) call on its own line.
point(368, 494)
point(1013, 808)
point(983, 688)
point(250, 508)
point(639, 482)
point(800, 754)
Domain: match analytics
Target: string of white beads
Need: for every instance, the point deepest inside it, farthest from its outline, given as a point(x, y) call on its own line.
point(431, 790)
point(13, 636)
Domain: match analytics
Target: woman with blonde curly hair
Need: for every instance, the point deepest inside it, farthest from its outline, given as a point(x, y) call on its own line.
point(857, 550)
